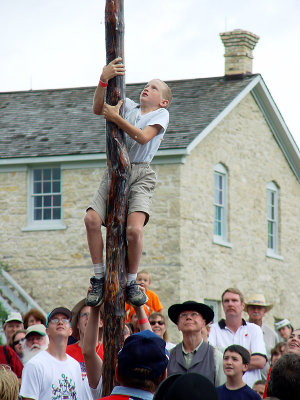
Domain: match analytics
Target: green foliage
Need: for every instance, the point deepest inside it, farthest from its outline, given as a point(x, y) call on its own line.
point(3, 316)
point(4, 266)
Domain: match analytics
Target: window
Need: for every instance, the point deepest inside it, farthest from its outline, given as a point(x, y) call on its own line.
point(272, 218)
point(46, 194)
point(220, 204)
point(214, 305)
point(44, 199)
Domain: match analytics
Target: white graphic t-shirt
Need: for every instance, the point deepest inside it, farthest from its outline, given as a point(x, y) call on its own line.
point(46, 378)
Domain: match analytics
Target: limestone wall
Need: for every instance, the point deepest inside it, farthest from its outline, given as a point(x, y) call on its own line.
point(245, 145)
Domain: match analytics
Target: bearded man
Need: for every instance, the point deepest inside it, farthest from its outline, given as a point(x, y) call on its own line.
point(36, 340)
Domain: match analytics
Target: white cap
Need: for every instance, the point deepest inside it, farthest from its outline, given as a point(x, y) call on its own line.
point(14, 316)
point(280, 324)
point(38, 328)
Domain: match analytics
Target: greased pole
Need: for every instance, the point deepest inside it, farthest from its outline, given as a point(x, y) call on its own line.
point(119, 168)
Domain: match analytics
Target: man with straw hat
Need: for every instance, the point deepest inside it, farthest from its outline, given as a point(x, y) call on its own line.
point(257, 307)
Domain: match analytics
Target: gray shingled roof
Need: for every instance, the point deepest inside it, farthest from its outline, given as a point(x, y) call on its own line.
point(61, 122)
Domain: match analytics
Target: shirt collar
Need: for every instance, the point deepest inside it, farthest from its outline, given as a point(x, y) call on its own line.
point(222, 323)
point(128, 391)
point(195, 349)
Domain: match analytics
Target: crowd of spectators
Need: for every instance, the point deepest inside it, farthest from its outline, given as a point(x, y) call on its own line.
point(61, 356)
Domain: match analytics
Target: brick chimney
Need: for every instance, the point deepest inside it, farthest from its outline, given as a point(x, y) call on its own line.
point(238, 52)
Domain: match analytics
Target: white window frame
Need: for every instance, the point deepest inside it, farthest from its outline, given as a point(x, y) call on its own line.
point(46, 224)
point(272, 194)
point(222, 238)
point(215, 306)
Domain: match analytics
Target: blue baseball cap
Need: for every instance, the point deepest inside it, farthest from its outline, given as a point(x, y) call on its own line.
point(59, 310)
point(143, 350)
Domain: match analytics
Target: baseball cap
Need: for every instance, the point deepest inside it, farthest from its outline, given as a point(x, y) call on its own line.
point(59, 310)
point(38, 328)
point(280, 324)
point(143, 350)
point(14, 316)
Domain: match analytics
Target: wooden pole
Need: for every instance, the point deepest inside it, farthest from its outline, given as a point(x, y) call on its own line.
point(119, 168)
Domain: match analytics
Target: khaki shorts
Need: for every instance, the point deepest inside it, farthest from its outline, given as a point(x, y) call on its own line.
point(142, 182)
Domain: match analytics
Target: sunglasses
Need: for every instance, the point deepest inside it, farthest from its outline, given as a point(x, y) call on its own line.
point(156, 322)
point(18, 341)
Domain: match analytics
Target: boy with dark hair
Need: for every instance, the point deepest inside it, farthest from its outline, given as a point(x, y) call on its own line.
point(236, 361)
point(144, 125)
point(259, 387)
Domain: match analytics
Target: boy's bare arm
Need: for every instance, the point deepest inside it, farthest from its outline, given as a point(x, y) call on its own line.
point(93, 362)
point(142, 316)
point(142, 136)
point(109, 71)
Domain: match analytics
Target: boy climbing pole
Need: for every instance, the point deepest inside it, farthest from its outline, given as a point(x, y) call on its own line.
point(144, 125)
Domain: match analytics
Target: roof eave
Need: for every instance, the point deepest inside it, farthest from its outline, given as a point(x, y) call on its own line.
point(278, 126)
point(223, 114)
point(273, 117)
point(167, 156)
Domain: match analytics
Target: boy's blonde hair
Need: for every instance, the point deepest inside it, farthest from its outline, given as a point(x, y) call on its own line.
point(9, 384)
point(167, 93)
point(143, 271)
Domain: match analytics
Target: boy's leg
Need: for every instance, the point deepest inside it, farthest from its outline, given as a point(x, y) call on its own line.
point(134, 234)
point(93, 224)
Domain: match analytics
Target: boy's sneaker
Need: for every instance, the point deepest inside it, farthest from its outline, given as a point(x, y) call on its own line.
point(96, 295)
point(134, 295)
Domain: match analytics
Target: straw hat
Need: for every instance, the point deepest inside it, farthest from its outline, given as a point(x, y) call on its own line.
point(75, 318)
point(258, 299)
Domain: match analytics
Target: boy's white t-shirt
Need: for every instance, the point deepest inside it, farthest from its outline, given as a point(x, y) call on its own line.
point(144, 152)
point(46, 378)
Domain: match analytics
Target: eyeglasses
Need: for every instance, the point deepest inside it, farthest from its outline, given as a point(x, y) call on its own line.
point(18, 341)
point(192, 315)
point(56, 320)
point(157, 322)
point(85, 315)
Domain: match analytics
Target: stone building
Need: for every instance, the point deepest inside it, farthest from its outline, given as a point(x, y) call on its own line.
point(225, 212)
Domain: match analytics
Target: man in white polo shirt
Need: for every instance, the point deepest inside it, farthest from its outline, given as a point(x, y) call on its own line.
point(235, 330)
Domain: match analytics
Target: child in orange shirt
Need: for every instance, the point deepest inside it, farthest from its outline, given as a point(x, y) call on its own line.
point(153, 304)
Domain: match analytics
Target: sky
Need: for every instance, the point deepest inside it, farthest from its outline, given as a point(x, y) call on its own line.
point(49, 44)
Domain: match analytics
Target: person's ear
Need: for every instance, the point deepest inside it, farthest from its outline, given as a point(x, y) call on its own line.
point(163, 376)
point(245, 368)
point(164, 103)
point(117, 374)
